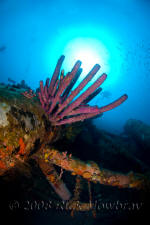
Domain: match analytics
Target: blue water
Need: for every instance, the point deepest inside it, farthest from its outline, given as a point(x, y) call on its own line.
point(113, 33)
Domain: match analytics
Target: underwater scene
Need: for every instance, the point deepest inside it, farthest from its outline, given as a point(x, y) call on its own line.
point(74, 112)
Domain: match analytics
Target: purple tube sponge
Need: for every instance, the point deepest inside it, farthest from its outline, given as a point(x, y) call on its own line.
point(61, 103)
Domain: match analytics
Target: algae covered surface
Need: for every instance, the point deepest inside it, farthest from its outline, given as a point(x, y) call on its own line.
point(23, 125)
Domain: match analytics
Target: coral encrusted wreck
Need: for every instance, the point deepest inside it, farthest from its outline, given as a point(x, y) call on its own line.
point(29, 128)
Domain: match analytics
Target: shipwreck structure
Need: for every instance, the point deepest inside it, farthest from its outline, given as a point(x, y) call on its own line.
point(30, 124)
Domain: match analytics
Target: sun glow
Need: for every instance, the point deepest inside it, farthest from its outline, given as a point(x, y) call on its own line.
point(89, 52)
point(91, 45)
